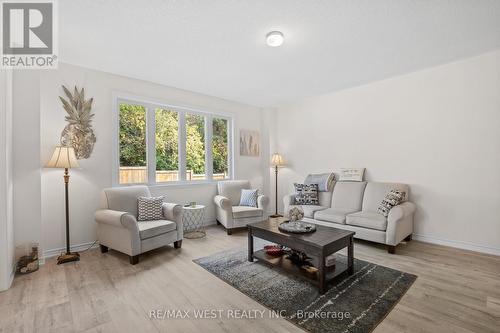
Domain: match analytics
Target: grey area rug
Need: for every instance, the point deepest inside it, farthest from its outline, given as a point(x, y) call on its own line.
point(356, 303)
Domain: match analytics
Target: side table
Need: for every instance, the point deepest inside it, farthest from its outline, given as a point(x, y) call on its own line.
point(192, 220)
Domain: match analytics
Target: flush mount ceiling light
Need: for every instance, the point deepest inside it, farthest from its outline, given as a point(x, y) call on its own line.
point(275, 38)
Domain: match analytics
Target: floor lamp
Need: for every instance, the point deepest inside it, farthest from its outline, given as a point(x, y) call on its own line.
point(64, 158)
point(277, 161)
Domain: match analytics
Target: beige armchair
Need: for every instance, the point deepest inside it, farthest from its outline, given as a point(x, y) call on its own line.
point(118, 228)
point(227, 209)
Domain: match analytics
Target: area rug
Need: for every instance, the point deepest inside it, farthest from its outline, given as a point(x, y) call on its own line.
point(356, 303)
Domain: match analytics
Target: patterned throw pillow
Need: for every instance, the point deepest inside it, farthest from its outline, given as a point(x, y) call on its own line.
point(393, 198)
point(150, 208)
point(306, 194)
point(249, 198)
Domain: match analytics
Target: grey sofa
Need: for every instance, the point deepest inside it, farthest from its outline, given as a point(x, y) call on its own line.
point(118, 228)
point(353, 206)
point(227, 209)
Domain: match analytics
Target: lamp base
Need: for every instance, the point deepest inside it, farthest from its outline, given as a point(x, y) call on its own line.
point(275, 215)
point(68, 257)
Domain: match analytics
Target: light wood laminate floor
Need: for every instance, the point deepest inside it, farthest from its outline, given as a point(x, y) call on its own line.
point(456, 291)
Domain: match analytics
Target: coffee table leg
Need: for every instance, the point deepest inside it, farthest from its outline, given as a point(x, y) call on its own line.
point(250, 245)
point(350, 257)
point(321, 275)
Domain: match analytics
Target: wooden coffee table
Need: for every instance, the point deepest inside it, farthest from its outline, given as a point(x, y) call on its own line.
point(317, 245)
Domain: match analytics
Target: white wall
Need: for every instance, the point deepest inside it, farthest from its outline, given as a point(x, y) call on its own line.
point(95, 173)
point(26, 152)
point(436, 129)
point(7, 261)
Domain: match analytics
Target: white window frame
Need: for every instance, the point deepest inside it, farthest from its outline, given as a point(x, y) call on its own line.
point(151, 105)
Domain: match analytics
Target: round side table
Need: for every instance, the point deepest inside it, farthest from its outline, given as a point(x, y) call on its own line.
point(192, 220)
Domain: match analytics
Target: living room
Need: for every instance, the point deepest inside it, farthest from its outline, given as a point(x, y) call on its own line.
point(250, 166)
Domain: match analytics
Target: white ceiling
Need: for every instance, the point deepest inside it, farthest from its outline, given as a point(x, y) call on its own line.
point(217, 47)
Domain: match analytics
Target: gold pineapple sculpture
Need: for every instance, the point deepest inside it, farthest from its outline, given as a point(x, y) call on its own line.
point(78, 133)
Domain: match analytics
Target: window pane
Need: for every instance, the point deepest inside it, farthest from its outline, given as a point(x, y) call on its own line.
point(132, 144)
point(167, 145)
point(220, 148)
point(195, 147)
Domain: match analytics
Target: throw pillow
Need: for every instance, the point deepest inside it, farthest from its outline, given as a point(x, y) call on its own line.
point(249, 198)
point(393, 198)
point(306, 194)
point(150, 208)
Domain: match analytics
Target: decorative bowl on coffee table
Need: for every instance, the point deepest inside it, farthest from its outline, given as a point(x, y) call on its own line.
point(297, 227)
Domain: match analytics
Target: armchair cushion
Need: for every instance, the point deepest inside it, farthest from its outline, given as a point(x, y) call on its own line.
point(148, 229)
point(245, 211)
point(149, 208)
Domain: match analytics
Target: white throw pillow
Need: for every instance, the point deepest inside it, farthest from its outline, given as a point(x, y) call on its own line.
point(249, 198)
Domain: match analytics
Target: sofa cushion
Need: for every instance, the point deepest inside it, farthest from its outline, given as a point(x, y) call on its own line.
point(306, 194)
point(370, 220)
point(309, 210)
point(376, 192)
point(148, 229)
point(246, 211)
point(332, 215)
point(348, 196)
point(393, 198)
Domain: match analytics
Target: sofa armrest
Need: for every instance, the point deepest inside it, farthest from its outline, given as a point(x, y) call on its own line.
point(173, 212)
point(263, 202)
point(288, 200)
point(222, 202)
point(399, 223)
point(401, 211)
point(117, 219)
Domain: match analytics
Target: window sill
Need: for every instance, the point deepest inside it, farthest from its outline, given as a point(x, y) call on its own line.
point(178, 184)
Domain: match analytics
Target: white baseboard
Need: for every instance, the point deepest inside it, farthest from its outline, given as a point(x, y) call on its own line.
point(74, 248)
point(458, 244)
point(84, 246)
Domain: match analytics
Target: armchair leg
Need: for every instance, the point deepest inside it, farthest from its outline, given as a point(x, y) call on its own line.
point(104, 248)
point(178, 244)
point(134, 260)
point(229, 232)
point(391, 249)
point(408, 238)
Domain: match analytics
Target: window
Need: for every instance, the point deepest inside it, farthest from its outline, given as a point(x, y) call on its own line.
point(220, 148)
point(132, 144)
point(161, 144)
point(167, 145)
point(195, 147)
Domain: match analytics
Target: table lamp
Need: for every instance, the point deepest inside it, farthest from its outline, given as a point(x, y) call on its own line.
point(277, 161)
point(64, 158)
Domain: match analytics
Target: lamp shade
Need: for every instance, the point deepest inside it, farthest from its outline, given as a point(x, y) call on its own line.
point(277, 160)
point(63, 157)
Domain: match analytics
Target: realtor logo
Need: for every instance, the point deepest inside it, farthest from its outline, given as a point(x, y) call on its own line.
point(28, 34)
